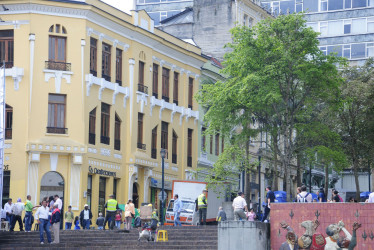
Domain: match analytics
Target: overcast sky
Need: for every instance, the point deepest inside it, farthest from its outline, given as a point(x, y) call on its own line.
point(124, 5)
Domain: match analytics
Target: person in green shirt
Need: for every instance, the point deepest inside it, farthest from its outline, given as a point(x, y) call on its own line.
point(69, 217)
point(28, 215)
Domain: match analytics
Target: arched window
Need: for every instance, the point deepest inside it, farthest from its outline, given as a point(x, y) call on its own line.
point(57, 48)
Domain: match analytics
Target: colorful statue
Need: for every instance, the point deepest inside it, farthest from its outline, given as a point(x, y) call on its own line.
point(335, 241)
point(305, 241)
point(291, 238)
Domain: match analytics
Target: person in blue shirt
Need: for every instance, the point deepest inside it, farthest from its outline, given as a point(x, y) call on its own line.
point(270, 198)
point(177, 210)
point(321, 195)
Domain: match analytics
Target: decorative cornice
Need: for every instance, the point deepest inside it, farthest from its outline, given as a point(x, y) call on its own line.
point(16, 73)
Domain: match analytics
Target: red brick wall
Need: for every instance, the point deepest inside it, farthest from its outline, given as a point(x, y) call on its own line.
point(330, 213)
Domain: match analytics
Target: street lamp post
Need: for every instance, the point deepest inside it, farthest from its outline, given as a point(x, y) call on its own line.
point(163, 154)
point(259, 180)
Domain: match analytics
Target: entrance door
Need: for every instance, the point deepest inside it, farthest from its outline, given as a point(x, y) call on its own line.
point(52, 183)
point(135, 196)
point(102, 186)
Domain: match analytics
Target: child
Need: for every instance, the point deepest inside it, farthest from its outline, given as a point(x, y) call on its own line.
point(251, 215)
point(118, 219)
point(76, 223)
point(100, 222)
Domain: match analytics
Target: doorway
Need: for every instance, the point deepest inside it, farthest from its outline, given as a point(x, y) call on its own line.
point(135, 196)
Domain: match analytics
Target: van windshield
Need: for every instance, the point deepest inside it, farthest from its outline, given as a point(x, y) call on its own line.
point(187, 206)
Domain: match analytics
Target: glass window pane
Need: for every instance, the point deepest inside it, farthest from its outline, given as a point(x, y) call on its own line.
point(335, 28)
point(347, 53)
point(359, 25)
point(266, 6)
point(347, 4)
point(347, 29)
point(370, 27)
point(358, 51)
point(335, 49)
point(335, 4)
point(311, 6)
point(314, 26)
point(358, 3)
point(323, 6)
point(371, 3)
point(287, 7)
point(370, 51)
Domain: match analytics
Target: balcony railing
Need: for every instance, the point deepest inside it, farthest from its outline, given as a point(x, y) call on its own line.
point(154, 153)
point(106, 77)
point(155, 95)
point(166, 98)
point(142, 88)
point(119, 82)
point(176, 102)
point(93, 72)
point(8, 133)
point(54, 130)
point(8, 65)
point(189, 161)
point(141, 146)
point(91, 138)
point(117, 144)
point(174, 158)
point(58, 65)
point(104, 140)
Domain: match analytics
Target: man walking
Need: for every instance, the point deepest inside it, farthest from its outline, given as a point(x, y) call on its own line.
point(202, 203)
point(28, 214)
point(239, 205)
point(8, 210)
point(177, 210)
point(55, 221)
point(17, 215)
point(270, 198)
point(304, 196)
point(111, 207)
point(85, 217)
point(41, 217)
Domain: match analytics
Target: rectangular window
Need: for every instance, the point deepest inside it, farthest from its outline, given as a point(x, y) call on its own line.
point(314, 26)
point(175, 88)
point(93, 56)
point(288, 7)
point(358, 3)
point(335, 4)
point(335, 49)
point(347, 4)
point(106, 59)
point(203, 139)
point(115, 187)
point(89, 191)
point(155, 81)
point(335, 28)
point(347, 51)
point(174, 148)
point(299, 5)
point(119, 67)
point(8, 122)
point(140, 131)
point(358, 50)
point(57, 49)
point(189, 147)
point(359, 26)
point(323, 5)
point(370, 3)
point(323, 28)
point(370, 24)
point(102, 196)
point(154, 143)
point(6, 187)
point(211, 145)
point(217, 144)
point(92, 127)
point(190, 92)
point(56, 114)
point(347, 26)
point(7, 48)
point(324, 50)
point(105, 123)
point(275, 8)
point(370, 50)
point(165, 84)
point(117, 133)
point(141, 87)
point(310, 6)
point(164, 135)
point(245, 17)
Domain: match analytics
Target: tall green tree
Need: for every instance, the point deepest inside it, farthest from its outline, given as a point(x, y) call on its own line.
point(277, 75)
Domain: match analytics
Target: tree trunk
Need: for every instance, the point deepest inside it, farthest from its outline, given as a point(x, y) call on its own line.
point(326, 180)
point(355, 172)
point(274, 182)
point(247, 175)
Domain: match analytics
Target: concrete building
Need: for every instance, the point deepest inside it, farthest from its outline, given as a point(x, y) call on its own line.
point(93, 94)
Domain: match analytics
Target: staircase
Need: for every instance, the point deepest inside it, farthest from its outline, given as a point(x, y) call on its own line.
point(203, 237)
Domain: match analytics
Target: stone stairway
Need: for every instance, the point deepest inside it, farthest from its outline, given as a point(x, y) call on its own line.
point(204, 237)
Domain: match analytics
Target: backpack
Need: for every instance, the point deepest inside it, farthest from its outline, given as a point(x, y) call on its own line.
point(341, 200)
point(138, 222)
point(303, 199)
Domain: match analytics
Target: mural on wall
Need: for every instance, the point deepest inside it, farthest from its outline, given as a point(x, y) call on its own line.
point(322, 226)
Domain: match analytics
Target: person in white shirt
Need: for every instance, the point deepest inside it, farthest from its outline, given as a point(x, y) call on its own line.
point(8, 210)
point(41, 217)
point(371, 198)
point(58, 201)
point(304, 196)
point(17, 215)
point(239, 204)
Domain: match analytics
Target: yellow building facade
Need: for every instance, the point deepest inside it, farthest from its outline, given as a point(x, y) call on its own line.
point(92, 96)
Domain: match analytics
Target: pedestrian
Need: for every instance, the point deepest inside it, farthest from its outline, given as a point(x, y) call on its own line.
point(177, 208)
point(8, 207)
point(57, 200)
point(221, 216)
point(76, 223)
point(202, 203)
point(17, 215)
point(129, 213)
point(239, 205)
point(50, 202)
point(55, 221)
point(41, 217)
point(69, 217)
point(28, 213)
point(298, 190)
point(100, 222)
point(111, 207)
point(118, 219)
point(251, 215)
point(304, 196)
point(85, 217)
point(270, 198)
point(321, 195)
point(371, 198)
point(336, 197)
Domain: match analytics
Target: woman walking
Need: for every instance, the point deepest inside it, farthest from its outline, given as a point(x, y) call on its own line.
point(129, 213)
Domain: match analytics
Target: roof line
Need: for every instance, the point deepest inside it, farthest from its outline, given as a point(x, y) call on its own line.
point(177, 15)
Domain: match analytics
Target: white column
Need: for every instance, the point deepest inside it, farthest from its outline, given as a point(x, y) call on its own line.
point(83, 44)
point(75, 180)
point(32, 188)
point(32, 45)
point(131, 75)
